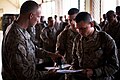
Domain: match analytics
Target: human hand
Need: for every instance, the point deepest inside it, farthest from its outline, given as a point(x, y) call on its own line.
point(52, 71)
point(54, 56)
point(89, 73)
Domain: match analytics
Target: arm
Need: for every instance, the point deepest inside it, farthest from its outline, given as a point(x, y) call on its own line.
point(61, 42)
point(111, 63)
point(75, 62)
point(44, 35)
point(22, 63)
point(42, 53)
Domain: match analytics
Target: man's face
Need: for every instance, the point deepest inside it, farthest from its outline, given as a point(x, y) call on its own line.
point(111, 17)
point(35, 17)
point(50, 23)
point(72, 20)
point(82, 27)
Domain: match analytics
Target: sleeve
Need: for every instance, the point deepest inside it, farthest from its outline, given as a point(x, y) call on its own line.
point(23, 64)
point(42, 53)
point(75, 62)
point(111, 63)
point(61, 42)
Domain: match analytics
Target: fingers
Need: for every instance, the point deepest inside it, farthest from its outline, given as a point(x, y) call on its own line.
point(89, 73)
point(52, 71)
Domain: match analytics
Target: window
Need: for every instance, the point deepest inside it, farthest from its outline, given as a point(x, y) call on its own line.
point(67, 4)
point(108, 5)
point(82, 5)
point(48, 9)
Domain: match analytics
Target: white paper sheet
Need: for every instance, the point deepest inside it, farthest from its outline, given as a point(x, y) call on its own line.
point(69, 71)
point(63, 66)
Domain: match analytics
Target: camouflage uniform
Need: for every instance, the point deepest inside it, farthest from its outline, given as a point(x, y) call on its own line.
point(65, 43)
point(97, 52)
point(38, 28)
point(18, 56)
point(113, 31)
point(49, 37)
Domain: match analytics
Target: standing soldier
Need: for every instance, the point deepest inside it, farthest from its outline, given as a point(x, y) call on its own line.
point(66, 37)
point(18, 50)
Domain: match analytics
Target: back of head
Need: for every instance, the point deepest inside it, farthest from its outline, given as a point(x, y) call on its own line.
point(50, 18)
point(83, 16)
point(42, 18)
point(60, 17)
point(28, 7)
point(50, 22)
point(55, 16)
point(104, 16)
point(73, 11)
point(118, 10)
point(110, 13)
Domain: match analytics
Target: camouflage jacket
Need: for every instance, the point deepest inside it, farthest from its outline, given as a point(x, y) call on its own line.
point(49, 38)
point(114, 31)
point(65, 43)
point(18, 56)
point(97, 52)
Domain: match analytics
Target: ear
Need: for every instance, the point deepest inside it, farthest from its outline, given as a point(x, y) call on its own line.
point(30, 16)
point(92, 23)
point(114, 15)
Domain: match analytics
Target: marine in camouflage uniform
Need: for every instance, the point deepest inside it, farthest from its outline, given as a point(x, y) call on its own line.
point(49, 36)
point(113, 26)
point(97, 52)
point(65, 43)
point(18, 51)
point(66, 37)
point(18, 56)
point(93, 51)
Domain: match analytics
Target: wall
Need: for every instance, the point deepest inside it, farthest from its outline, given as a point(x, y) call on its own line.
point(8, 7)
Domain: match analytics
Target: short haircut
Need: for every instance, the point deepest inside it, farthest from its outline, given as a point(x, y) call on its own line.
point(50, 18)
point(28, 7)
point(73, 11)
point(111, 12)
point(55, 16)
point(83, 16)
point(118, 8)
point(60, 17)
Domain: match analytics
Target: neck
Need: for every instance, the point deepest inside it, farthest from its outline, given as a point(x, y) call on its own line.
point(89, 32)
point(23, 22)
point(72, 28)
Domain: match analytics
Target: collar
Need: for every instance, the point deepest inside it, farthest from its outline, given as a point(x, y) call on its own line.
point(93, 36)
point(23, 31)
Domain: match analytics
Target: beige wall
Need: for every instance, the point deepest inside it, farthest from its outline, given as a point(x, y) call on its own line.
point(8, 7)
point(11, 7)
